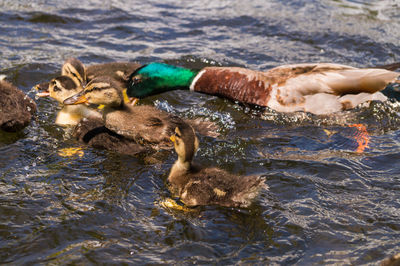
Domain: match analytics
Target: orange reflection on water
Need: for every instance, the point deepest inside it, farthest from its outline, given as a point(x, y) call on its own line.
point(362, 137)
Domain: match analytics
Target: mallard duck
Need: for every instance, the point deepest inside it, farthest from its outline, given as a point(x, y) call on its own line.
point(61, 88)
point(119, 71)
point(207, 186)
point(316, 88)
point(144, 124)
point(16, 108)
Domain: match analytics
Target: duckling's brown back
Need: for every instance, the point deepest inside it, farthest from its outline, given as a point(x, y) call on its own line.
point(116, 70)
point(213, 186)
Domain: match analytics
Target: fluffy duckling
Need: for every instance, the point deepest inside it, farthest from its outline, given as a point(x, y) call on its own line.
point(89, 126)
point(207, 186)
point(119, 71)
point(61, 88)
point(144, 124)
point(320, 88)
point(16, 108)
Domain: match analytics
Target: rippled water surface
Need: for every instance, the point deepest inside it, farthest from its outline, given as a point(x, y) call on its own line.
point(330, 200)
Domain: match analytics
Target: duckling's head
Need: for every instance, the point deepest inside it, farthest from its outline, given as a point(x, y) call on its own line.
point(100, 91)
point(185, 142)
point(59, 88)
point(75, 69)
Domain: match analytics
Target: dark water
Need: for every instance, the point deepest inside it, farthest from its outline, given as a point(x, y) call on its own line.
point(328, 201)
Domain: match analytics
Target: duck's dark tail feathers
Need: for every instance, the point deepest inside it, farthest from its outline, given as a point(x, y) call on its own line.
point(391, 67)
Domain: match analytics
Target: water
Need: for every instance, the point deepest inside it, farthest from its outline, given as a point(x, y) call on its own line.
point(328, 202)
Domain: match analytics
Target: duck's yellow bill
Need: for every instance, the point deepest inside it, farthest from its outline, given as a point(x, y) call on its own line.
point(172, 138)
point(129, 100)
point(126, 97)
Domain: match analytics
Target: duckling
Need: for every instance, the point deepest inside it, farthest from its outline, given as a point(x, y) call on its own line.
point(88, 122)
point(76, 70)
point(61, 88)
point(144, 124)
point(207, 186)
point(16, 108)
point(119, 71)
point(320, 88)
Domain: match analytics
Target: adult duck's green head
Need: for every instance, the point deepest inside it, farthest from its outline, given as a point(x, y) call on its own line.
point(155, 78)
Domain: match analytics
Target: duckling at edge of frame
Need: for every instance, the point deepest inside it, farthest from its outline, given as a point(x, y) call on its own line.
point(16, 108)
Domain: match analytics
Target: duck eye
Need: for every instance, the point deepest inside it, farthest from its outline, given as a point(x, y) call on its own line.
point(136, 80)
point(56, 88)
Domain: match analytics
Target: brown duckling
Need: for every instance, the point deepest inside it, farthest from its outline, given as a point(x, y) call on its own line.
point(144, 124)
point(16, 108)
point(207, 186)
point(89, 126)
point(119, 71)
point(61, 88)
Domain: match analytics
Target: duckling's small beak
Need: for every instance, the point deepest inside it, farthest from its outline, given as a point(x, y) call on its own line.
point(172, 138)
point(76, 99)
point(43, 89)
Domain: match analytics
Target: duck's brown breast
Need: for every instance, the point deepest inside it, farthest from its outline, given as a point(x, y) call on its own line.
point(235, 83)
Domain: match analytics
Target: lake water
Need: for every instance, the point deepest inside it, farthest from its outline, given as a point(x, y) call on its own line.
point(331, 200)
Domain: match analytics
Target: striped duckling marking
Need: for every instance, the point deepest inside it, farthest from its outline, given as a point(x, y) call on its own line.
point(320, 88)
point(119, 71)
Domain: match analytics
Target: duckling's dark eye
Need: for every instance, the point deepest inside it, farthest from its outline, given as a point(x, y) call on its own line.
point(177, 135)
point(56, 88)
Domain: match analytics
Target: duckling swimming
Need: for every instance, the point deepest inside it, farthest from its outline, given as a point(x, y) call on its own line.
point(89, 126)
point(144, 124)
point(119, 71)
point(320, 88)
point(61, 88)
point(207, 186)
point(16, 108)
